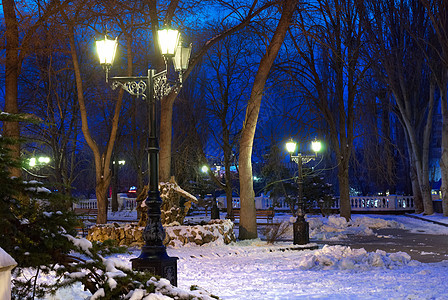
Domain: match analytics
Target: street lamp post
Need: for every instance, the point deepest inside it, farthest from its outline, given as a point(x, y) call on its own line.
point(300, 226)
point(115, 165)
point(214, 211)
point(153, 257)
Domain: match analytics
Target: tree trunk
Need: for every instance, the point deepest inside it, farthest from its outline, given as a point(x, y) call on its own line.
point(102, 161)
point(11, 129)
point(166, 120)
point(344, 192)
point(417, 193)
point(444, 157)
point(248, 219)
point(424, 176)
point(102, 201)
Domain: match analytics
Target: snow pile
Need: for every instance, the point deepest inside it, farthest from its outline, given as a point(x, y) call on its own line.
point(345, 258)
point(336, 228)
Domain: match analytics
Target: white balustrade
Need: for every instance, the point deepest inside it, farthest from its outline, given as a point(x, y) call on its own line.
point(365, 203)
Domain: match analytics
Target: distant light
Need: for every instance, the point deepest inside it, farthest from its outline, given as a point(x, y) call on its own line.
point(316, 146)
point(256, 178)
point(121, 162)
point(32, 162)
point(44, 159)
point(204, 169)
point(291, 146)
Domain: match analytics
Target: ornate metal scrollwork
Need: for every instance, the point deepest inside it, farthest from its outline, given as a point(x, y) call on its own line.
point(305, 158)
point(136, 88)
point(162, 86)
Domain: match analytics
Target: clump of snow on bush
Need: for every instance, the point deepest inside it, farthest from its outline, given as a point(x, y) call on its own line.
point(164, 290)
point(336, 228)
point(81, 243)
point(344, 258)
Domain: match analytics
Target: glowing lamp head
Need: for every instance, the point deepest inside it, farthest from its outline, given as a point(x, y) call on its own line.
point(204, 169)
point(316, 146)
point(291, 146)
point(106, 50)
point(168, 41)
point(44, 160)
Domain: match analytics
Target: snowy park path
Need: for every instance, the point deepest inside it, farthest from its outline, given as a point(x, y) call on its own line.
point(420, 246)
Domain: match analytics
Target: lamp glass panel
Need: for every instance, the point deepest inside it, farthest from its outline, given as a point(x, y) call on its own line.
point(106, 50)
point(182, 58)
point(291, 146)
point(316, 146)
point(168, 41)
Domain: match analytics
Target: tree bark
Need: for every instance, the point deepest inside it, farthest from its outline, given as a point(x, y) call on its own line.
point(166, 121)
point(444, 146)
point(248, 220)
point(11, 129)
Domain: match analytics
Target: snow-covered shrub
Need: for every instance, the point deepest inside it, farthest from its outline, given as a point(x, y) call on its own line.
point(106, 277)
point(274, 232)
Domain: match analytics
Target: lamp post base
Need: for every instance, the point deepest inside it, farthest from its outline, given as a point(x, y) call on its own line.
point(161, 265)
point(301, 231)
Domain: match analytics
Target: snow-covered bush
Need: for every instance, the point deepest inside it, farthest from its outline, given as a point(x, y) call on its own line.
point(274, 232)
point(107, 277)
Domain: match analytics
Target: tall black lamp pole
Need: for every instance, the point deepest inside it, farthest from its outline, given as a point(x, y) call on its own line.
point(153, 257)
point(301, 231)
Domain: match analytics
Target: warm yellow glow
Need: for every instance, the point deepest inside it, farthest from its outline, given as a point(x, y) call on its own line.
point(44, 159)
point(106, 50)
point(316, 146)
point(291, 146)
point(168, 41)
point(32, 162)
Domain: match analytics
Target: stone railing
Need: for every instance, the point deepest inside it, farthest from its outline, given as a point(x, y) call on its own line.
point(124, 203)
point(218, 231)
point(380, 203)
point(369, 203)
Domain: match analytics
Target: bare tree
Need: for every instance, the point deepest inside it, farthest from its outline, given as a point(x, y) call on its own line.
point(226, 83)
point(438, 14)
point(248, 220)
point(328, 40)
point(19, 44)
point(242, 15)
point(395, 29)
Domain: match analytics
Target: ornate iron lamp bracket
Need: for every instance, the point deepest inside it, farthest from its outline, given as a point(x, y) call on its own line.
point(162, 87)
point(133, 85)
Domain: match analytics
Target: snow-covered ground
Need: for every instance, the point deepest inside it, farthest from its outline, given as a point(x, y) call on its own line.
point(256, 270)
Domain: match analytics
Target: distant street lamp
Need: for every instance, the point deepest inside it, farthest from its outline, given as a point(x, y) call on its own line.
point(300, 226)
point(115, 166)
point(39, 161)
point(214, 212)
point(153, 257)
